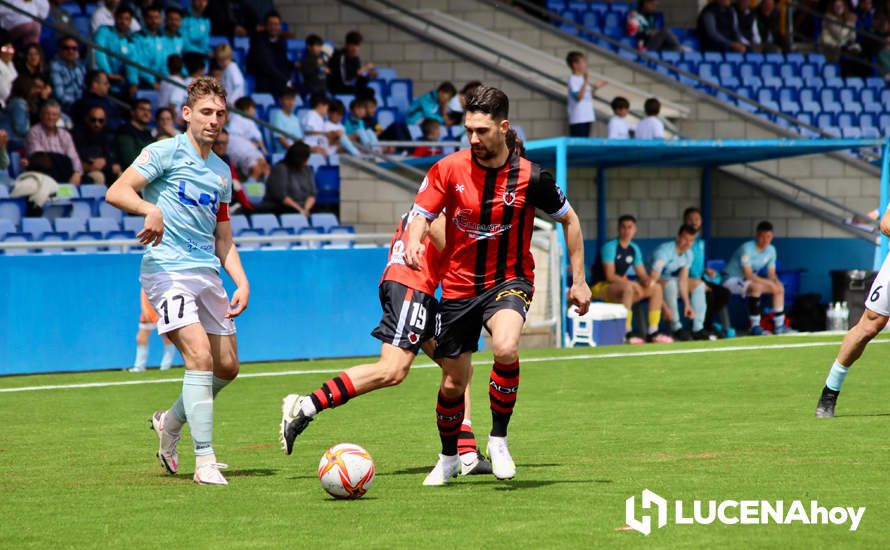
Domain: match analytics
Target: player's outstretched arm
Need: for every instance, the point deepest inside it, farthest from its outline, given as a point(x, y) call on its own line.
point(231, 262)
point(417, 230)
point(124, 194)
point(579, 294)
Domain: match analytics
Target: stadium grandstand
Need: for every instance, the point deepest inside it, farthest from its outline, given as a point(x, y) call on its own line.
point(338, 109)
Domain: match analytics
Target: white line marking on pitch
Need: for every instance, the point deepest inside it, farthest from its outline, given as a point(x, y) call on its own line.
point(431, 365)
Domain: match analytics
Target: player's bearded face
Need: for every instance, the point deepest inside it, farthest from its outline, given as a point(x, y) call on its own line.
point(205, 118)
point(487, 136)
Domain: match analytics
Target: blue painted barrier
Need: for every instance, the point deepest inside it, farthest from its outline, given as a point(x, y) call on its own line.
point(80, 312)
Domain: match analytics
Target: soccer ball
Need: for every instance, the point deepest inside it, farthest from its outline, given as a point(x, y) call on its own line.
point(346, 471)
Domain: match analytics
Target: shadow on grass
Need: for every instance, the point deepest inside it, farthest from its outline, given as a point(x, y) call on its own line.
point(864, 415)
point(517, 484)
point(256, 472)
point(426, 469)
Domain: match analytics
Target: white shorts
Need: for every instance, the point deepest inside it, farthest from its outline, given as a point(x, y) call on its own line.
point(737, 285)
point(184, 298)
point(878, 298)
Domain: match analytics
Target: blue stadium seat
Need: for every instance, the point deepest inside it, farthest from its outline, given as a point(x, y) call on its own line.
point(36, 227)
point(133, 223)
point(867, 120)
point(263, 103)
point(249, 233)
point(834, 82)
point(814, 82)
point(82, 24)
point(829, 102)
point(871, 133)
point(555, 5)
point(6, 227)
point(619, 8)
point(151, 95)
point(755, 58)
point(870, 101)
point(572, 16)
point(613, 24)
point(324, 220)
point(380, 89)
point(591, 20)
point(241, 43)
point(770, 75)
point(311, 231)
point(875, 82)
point(401, 87)
point(4, 191)
point(851, 133)
point(825, 120)
point(794, 59)
point(295, 48)
point(885, 98)
point(294, 222)
point(264, 223)
point(713, 57)
point(239, 223)
point(108, 211)
point(816, 58)
point(53, 237)
point(73, 8)
point(805, 118)
point(71, 226)
point(847, 96)
point(692, 57)
point(854, 107)
point(12, 209)
point(830, 71)
point(847, 120)
point(734, 57)
point(747, 70)
point(386, 73)
point(17, 238)
point(103, 225)
point(327, 182)
point(316, 160)
point(341, 230)
point(855, 83)
point(765, 95)
point(809, 70)
point(216, 41)
point(884, 123)
point(92, 191)
point(833, 131)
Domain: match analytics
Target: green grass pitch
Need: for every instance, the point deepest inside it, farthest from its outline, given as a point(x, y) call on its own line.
point(78, 466)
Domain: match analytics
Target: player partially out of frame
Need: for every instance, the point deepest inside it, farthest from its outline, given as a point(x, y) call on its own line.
point(489, 193)
point(408, 324)
point(872, 322)
point(148, 321)
point(187, 189)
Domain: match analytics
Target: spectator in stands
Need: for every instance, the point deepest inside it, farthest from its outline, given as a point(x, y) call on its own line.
point(140, 7)
point(267, 59)
point(769, 27)
point(132, 136)
point(432, 104)
point(8, 72)
point(618, 261)
point(172, 38)
point(242, 126)
point(96, 93)
point(883, 55)
point(248, 159)
point(33, 64)
point(291, 185)
point(347, 73)
point(94, 143)
point(314, 66)
point(4, 160)
point(431, 129)
point(838, 31)
point(149, 43)
point(619, 126)
point(226, 20)
point(718, 28)
point(670, 267)
point(338, 142)
point(105, 16)
point(643, 26)
point(865, 15)
point(23, 30)
point(47, 137)
point(232, 78)
point(286, 119)
point(165, 124)
point(455, 110)
point(354, 123)
point(313, 121)
point(123, 77)
point(717, 296)
point(68, 73)
point(172, 92)
point(745, 278)
point(650, 127)
point(580, 97)
point(748, 30)
point(21, 104)
point(196, 29)
point(240, 199)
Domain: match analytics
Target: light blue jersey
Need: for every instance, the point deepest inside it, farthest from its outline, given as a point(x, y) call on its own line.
point(748, 255)
point(667, 263)
point(287, 122)
point(188, 191)
point(697, 269)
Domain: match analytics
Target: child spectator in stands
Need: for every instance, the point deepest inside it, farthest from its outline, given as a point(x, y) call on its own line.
point(196, 29)
point(8, 72)
point(242, 126)
point(338, 141)
point(580, 97)
point(132, 136)
point(650, 127)
point(22, 29)
point(94, 143)
point(170, 95)
point(314, 66)
point(149, 44)
point(718, 28)
point(267, 60)
point(619, 126)
point(68, 73)
point(165, 124)
point(431, 130)
point(346, 73)
point(47, 137)
point(248, 159)
point(643, 26)
point(221, 148)
point(291, 185)
point(313, 122)
point(354, 123)
point(123, 77)
point(285, 119)
point(232, 78)
point(432, 104)
point(769, 27)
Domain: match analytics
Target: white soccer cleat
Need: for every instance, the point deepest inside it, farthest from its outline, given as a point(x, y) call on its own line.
point(209, 474)
point(446, 468)
point(502, 464)
point(167, 454)
point(136, 369)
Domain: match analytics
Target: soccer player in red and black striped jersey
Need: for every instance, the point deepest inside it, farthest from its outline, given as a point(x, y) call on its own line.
point(408, 323)
point(489, 194)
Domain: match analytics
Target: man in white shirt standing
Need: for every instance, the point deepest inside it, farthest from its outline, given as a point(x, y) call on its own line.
point(651, 127)
point(580, 97)
point(619, 126)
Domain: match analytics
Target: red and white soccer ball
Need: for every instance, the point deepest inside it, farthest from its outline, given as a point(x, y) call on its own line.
point(346, 471)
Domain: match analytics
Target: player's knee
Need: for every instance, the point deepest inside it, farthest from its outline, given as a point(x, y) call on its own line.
point(228, 367)
point(871, 324)
point(200, 360)
point(453, 386)
point(505, 349)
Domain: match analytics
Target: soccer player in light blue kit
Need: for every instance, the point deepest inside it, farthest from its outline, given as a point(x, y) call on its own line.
point(187, 189)
point(743, 279)
point(670, 267)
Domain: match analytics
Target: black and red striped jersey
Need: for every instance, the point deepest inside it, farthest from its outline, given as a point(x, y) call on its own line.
point(426, 279)
point(490, 219)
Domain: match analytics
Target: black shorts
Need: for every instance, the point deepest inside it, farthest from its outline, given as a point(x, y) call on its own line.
point(409, 316)
point(461, 320)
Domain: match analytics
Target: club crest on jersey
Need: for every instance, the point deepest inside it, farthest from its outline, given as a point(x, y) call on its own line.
point(413, 337)
point(475, 230)
point(144, 157)
point(509, 198)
